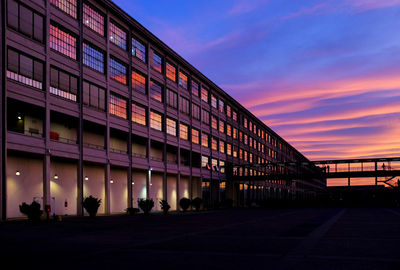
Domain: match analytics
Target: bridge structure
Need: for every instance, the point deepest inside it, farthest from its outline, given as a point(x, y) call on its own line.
point(378, 168)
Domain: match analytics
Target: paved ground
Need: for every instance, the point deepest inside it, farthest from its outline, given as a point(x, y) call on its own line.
point(230, 239)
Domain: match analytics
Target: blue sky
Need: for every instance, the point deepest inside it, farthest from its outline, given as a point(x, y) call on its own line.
point(325, 75)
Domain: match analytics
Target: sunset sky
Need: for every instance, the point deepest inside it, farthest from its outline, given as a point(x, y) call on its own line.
point(325, 75)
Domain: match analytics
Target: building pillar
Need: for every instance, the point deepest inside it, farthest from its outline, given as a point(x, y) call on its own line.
point(3, 111)
point(46, 182)
point(178, 188)
point(107, 206)
point(148, 181)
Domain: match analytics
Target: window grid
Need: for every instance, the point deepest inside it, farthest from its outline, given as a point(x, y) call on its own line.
point(204, 94)
point(205, 117)
point(214, 144)
point(117, 71)
point(171, 72)
point(213, 101)
point(184, 105)
point(93, 19)
point(171, 127)
point(183, 80)
point(204, 140)
point(139, 114)
point(156, 91)
point(222, 146)
point(157, 62)
point(118, 106)
point(184, 131)
point(94, 96)
point(138, 83)
point(156, 121)
point(68, 6)
point(117, 36)
point(93, 58)
point(62, 84)
point(195, 111)
point(195, 136)
point(139, 50)
point(172, 99)
point(62, 42)
point(214, 122)
point(195, 89)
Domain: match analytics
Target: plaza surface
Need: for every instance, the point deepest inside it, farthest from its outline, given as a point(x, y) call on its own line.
point(330, 238)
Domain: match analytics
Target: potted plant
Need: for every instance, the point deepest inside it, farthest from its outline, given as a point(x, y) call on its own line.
point(32, 211)
point(196, 203)
point(132, 210)
point(91, 205)
point(184, 203)
point(146, 205)
point(164, 206)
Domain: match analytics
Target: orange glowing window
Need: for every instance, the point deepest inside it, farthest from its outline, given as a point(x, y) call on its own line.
point(138, 82)
point(222, 185)
point(214, 144)
point(156, 120)
point(184, 131)
point(117, 106)
point(139, 114)
point(68, 6)
point(204, 94)
point(171, 72)
point(222, 146)
point(62, 42)
point(183, 80)
point(195, 136)
point(204, 139)
point(214, 122)
point(171, 127)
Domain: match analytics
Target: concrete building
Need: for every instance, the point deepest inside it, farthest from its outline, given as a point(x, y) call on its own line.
point(94, 104)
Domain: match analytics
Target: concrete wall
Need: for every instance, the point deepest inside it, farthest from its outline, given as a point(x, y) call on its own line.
point(95, 185)
point(156, 189)
point(64, 189)
point(171, 191)
point(139, 187)
point(118, 190)
point(23, 187)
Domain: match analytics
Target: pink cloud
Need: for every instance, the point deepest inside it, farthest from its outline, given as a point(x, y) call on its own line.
point(245, 6)
point(365, 5)
point(317, 9)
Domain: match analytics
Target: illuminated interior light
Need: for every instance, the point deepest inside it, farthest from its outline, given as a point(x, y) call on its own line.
point(86, 178)
point(55, 176)
point(17, 173)
point(112, 181)
point(133, 183)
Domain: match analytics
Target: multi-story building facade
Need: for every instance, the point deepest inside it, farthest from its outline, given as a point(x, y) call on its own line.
point(94, 104)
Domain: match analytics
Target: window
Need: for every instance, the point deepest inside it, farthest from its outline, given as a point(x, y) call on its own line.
point(205, 117)
point(221, 126)
point(214, 144)
point(156, 120)
point(25, 20)
point(229, 149)
point(93, 58)
point(235, 133)
point(171, 72)
point(222, 146)
point(62, 84)
point(214, 163)
point(139, 50)
point(156, 91)
point(68, 6)
point(94, 96)
point(195, 89)
point(214, 122)
point(184, 131)
point(24, 69)
point(229, 130)
point(213, 101)
point(157, 62)
point(171, 127)
point(184, 105)
point(234, 115)
point(117, 35)
point(221, 106)
point(172, 99)
point(204, 94)
point(138, 83)
point(235, 151)
point(93, 19)
point(195, 111)
point(118, 106)
point(222, 185)
point(228, 111)
point(139, 114)
point(204, 139)
point(195, 136)
point(245, 139)
point(245, 122)
point(62, 42)
point(117, 70)
point(183, 80)
point(205, 162)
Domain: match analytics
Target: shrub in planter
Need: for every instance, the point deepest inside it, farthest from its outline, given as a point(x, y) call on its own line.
point(32, 211)
point(146, 205)
point(164, 206)
point(196, 203)
point(91, 205)
point(132, 210)
point(184, 203)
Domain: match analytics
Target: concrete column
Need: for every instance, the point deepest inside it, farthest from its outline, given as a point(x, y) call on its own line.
point(148, 181)
point(178, 184)
point(107, 202)
point(3, 117)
